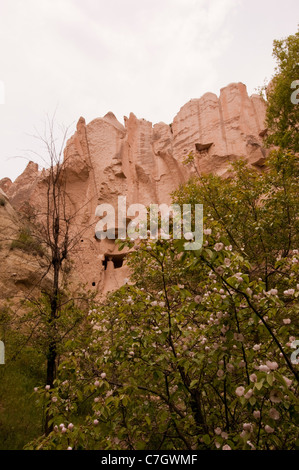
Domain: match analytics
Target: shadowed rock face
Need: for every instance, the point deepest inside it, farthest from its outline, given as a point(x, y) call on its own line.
point(105, 159)
point(22, 273)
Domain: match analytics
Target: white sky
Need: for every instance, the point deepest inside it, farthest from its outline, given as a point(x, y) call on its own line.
point(88, 57)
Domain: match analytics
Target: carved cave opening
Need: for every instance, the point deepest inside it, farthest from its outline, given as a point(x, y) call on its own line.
point(116, 259)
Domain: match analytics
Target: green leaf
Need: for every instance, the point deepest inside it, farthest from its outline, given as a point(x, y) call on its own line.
point(193, 383)
point(148, 420)
point(259, 384)
point(270, 378)
point(140, 445)
point(252, 401)
point(125, 401)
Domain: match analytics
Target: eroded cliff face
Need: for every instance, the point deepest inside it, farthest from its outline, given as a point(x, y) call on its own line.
point(22, 273)
point(144, 162)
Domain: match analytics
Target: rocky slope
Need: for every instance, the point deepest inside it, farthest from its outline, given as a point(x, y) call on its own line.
point(22, 271)
point(144, 162)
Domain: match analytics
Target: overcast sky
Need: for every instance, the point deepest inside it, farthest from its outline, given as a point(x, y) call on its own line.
point(88, 57)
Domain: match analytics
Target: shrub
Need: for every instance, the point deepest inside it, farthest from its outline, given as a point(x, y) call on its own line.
point(196, 352)
point(27, 243)
point(20, 415)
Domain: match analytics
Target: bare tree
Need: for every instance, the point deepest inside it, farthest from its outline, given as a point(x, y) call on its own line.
point(60, 234)
point(55, 229)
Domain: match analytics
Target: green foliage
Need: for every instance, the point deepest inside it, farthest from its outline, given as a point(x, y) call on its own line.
point(20, 416)
point(189, 159)
point(282, 114)
point(257, 212)
point(26, 242)
point(27, 338)
point(195, 352)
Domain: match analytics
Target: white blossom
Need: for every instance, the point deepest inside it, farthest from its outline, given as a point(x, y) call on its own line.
point(188, 236)
point(240, 391)
point(287, 381)
point(275, 396)
point(251, 445)
point(218, 246)
point(248, 394)
point(268, 429)
point(272, 365)
point(264, 368)
point(238, 337)
point(289, 292)
point(248, 427)
point(253, 378)
point(273, 413)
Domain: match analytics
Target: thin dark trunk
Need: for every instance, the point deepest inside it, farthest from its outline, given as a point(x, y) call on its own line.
point(51, 375)
point(52, 349)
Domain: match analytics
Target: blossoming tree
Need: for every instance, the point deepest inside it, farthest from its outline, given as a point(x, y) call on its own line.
point(195, 352)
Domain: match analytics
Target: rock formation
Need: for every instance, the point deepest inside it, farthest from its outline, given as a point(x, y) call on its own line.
point(22, 273)
point(105, 159)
